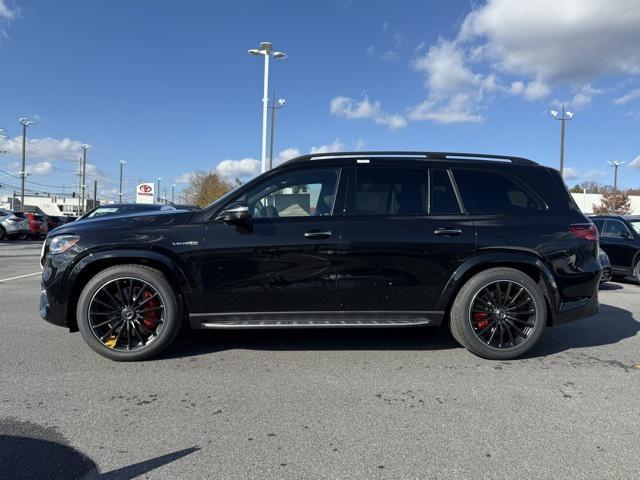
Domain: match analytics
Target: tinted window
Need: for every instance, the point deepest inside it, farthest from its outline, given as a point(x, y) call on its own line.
point(599, 224)
point(391, 191)
point(488, 192)
point(615, 229)
point(295, 194)
point(443, 196)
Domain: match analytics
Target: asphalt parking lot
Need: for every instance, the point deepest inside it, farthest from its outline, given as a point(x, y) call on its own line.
point(402, 403)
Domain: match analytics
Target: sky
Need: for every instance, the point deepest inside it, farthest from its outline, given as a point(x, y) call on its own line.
point(168, 86)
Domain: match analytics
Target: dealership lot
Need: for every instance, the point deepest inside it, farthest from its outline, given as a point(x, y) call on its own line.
point(402, 403)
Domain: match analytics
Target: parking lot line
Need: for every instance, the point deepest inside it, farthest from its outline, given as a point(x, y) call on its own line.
point(19, 276)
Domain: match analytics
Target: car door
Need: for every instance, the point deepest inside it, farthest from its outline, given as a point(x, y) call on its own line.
point(620, 244)
point(404, 235)
point(282, 259)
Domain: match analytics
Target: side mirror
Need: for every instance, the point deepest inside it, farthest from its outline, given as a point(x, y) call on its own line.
point(626, 234)
point(234, 213)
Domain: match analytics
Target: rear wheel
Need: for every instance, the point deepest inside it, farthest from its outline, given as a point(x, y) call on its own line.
point(128, 313)
point(499, 314)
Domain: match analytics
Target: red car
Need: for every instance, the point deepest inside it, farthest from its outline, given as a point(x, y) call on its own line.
point(37, 226)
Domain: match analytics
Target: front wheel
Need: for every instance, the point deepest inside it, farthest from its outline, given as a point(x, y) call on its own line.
point(499, 314)
point(128, 313)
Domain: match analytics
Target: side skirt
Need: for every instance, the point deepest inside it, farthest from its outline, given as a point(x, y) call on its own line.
point(362, 319)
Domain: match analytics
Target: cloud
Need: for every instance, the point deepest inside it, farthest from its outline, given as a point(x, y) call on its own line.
point(455, 93)
point(584, 96)
point(7, 13)
point(635, 163)
point(184, 178)
point(352, 109)
point(287, 154)
point(557, 41)
point(570, 173)
point(243, 168)
point(632, 95)
point(41, 168)
point(336, 146)
point(371, 50)
point(44, 148)
point(533, 90)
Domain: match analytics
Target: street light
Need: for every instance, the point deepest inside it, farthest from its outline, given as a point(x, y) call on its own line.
point(122, 163)
point(273, 107)
point(266, 50)
point(158, 187)
point(83, 186)
point(25, 122)
point(563, 118)
point(615, 164)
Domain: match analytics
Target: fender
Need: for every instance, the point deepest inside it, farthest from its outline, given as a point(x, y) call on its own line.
point(169, 261)
point(495, 258)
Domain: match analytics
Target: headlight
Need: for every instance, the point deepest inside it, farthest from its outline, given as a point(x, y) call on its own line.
point(62, 243)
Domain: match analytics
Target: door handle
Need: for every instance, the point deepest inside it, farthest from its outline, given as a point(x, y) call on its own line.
point(318, 234)
point(447, 232)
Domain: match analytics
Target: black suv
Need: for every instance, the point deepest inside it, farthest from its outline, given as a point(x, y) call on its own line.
point(620, 239)
point(491, 246)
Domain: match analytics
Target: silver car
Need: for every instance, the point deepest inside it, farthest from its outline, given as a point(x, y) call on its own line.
point(12, 225)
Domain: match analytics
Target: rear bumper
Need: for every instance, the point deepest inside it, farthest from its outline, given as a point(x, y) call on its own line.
point(572, 311)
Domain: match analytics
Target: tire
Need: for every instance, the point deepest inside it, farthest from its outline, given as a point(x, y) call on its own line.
point(3, 233)
point(165, 330)
point(472, 328)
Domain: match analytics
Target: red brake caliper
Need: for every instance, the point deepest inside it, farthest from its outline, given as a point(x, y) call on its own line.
point(481, 319)
point(150, 318)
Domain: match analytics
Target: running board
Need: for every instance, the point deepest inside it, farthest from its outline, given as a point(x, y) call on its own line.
point(314, 320)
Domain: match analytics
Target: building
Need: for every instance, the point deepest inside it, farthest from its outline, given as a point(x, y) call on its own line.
point(49, 205)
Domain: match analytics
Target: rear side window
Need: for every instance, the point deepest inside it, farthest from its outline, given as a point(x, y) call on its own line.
point(443, 199)
point(489, 192)
point(391, 191)
point(404, 191)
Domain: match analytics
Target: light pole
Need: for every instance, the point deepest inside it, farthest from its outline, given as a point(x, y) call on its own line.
point(173, 193)
point(273, 107)
point(615, 164)
point(25, 122)
point(266, 50)
point(563, 118)
point(122, 163)
point(158, 187)
point(85, 147)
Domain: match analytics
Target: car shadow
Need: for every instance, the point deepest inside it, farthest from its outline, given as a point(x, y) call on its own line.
point(29, 450)
point(607, 286)
point(611, 325)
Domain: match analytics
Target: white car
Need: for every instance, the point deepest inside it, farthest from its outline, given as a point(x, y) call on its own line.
point(11, 225)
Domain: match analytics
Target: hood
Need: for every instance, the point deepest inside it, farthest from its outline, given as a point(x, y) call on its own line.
point(140, 220)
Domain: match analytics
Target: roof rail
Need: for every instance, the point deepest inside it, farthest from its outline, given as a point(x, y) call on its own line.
point(424, 155)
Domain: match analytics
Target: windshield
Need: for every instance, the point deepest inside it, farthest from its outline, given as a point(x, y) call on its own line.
point(636, 225)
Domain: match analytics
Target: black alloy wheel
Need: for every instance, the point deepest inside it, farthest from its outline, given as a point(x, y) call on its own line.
point(499, 313)
point(126, 314)
point(503, 314)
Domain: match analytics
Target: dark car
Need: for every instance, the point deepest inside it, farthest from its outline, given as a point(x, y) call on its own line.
point(492, 247)
point(620, 239)
point(606, 266)
point(51, 221)
point(123, 209)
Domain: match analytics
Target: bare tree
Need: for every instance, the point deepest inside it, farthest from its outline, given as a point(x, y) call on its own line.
point(205, 187)
point(614, 202)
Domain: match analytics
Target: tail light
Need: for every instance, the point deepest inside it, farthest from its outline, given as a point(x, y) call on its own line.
point(586, 231)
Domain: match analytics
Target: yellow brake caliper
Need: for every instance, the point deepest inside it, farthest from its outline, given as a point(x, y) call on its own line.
point(111, 342)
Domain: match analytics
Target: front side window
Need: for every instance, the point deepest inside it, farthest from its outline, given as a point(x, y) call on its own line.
point(302, 193)
point(615, 229)
point(635, 224)
point(489, 192)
